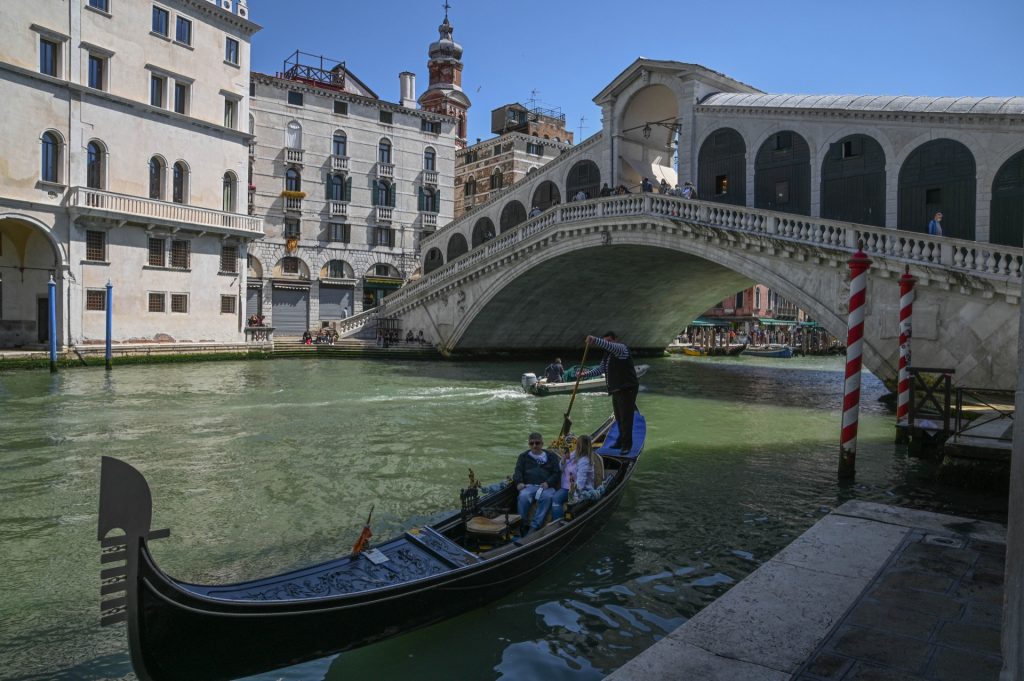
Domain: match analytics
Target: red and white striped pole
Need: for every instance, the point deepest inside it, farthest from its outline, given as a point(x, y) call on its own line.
point(859, 265)
point(906, 313)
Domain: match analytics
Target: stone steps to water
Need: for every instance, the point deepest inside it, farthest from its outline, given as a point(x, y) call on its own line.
point(351, 347)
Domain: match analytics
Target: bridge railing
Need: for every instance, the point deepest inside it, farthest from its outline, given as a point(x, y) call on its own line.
point(990, 261)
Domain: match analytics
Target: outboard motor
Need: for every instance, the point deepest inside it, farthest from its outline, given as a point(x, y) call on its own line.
point(529, 380)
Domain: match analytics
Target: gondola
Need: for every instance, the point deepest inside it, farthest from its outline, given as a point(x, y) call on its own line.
point(541, 387)
point(178, 630)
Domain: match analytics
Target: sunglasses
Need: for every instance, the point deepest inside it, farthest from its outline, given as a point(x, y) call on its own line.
point(536, 442)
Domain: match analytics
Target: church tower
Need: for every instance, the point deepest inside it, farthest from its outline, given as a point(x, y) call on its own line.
point(445, 95)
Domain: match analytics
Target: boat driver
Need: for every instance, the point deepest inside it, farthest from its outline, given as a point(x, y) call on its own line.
point(555, 372)
point(537, 476)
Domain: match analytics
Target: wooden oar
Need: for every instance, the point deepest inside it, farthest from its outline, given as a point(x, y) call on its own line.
point(567, 422)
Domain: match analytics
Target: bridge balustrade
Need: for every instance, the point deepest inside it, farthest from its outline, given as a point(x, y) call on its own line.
point(983, 259)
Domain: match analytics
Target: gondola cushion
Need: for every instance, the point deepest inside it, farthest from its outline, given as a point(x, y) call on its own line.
point(491, 526)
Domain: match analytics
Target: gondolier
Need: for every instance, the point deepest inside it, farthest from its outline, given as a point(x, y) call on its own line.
point(620, 375)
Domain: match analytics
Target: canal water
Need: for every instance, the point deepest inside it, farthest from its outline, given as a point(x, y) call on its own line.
point(261, 466)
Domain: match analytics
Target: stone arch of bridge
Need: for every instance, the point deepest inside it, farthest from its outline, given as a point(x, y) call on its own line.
point(649, 288)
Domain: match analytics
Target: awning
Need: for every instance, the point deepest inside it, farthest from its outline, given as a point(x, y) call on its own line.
point(382, 282)
point(767, 321)
point(710, 322)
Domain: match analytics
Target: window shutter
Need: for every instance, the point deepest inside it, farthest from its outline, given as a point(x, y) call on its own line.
point(348, 189)
point(392, 190)
point(437, 201)
point(329, 187)
point(421, 200)
point(391, 237)
point(374, 192)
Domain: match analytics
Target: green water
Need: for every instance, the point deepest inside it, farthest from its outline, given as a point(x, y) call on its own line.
point(262, 466)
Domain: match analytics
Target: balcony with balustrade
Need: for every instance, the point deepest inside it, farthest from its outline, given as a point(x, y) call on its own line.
point(430, 178)
point(85, 201)
point(294, 156)
point(384, 214)
point(293, 201)
point(339, 164)
point(337, 209)
point(429, 220)
point(386, 170)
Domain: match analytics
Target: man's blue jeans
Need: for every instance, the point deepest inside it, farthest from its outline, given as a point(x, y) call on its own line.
point(526, 496)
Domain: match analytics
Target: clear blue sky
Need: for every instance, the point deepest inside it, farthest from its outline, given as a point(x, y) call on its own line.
point(570, 49)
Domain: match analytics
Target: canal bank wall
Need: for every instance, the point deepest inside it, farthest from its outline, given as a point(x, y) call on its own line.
point(142, 353)
point(869, 592)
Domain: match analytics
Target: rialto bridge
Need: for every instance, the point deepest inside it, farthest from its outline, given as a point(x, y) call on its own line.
point(823, 174)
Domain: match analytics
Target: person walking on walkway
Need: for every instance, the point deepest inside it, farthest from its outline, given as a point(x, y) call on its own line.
point(620, 375)
point(935, 226)
point(646, 186)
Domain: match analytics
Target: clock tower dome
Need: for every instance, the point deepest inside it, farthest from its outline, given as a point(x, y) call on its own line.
point(444, 95)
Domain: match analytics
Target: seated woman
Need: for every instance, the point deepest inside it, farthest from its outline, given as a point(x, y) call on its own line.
point(577, 467)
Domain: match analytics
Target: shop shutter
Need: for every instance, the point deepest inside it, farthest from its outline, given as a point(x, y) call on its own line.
point(291, 311)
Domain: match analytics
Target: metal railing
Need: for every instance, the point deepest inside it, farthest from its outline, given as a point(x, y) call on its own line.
point(998, 406)
point(86, 200)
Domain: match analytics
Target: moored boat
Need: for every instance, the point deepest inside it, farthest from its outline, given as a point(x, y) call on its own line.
point(541, 387)
point(702, 351)
point(780, 351)
point(178, 630)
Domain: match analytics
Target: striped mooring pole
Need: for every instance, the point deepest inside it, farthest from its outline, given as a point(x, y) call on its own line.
point(906, 313)
point(859, 265)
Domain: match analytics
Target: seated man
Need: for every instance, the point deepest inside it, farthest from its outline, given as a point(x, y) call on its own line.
point(537, 476)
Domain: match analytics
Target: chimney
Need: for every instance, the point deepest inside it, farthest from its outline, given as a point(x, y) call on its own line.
point(407, 80)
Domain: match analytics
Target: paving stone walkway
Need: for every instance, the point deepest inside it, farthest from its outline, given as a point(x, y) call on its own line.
point(869, 593)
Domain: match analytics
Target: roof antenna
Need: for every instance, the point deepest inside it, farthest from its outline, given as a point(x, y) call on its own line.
point(583, 119)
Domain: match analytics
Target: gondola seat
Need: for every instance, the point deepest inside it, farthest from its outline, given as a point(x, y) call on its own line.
point(491, 527)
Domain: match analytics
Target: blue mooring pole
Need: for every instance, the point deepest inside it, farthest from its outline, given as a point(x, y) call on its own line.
point(52, 294)
point(110, 319)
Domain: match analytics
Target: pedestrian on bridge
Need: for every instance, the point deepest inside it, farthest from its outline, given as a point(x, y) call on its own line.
point(623, 384)
point(689, 191)
point(646, 186)
point(935, 226)
point(606, 190)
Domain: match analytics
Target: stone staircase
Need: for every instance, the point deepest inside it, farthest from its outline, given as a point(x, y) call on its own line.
point(353, 348)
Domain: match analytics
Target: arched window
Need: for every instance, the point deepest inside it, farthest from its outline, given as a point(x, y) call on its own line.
point(384, 151)
point(293, 135)
point(156, 178)
point(339, 145)
point(433, 261)
point(497, 179)
point(228, 192)
point(293, 180)
point(50, 171)
point(179, 189)
point(94, 165)
point(583, 177)
point(336, 188)
point(512, 215)
point(430, 200)
point(483, 231)
point(429, 159)
point(384, 193)
point(470, 187)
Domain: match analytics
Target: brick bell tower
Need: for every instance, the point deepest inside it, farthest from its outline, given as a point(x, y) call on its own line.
point(445, 95)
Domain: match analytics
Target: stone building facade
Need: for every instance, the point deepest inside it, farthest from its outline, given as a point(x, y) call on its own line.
point(346, 184)
point(124, 156)
point(526, 140)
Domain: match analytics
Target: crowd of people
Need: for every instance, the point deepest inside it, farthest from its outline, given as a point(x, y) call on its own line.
point(324, 336)
point(388, 337)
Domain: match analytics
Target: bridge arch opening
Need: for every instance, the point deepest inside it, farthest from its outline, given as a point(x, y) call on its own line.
point(254, 268)
point(782, 174)
point(483, 231)
point(722, 168)
point(456, 246)
point(546, 195)
point(1007, 208)
point(512, 215)
point(649, 136)
point(853, 181)
point(433, 260)
point(938, 176)
point(584, 177)
point(28, 258)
